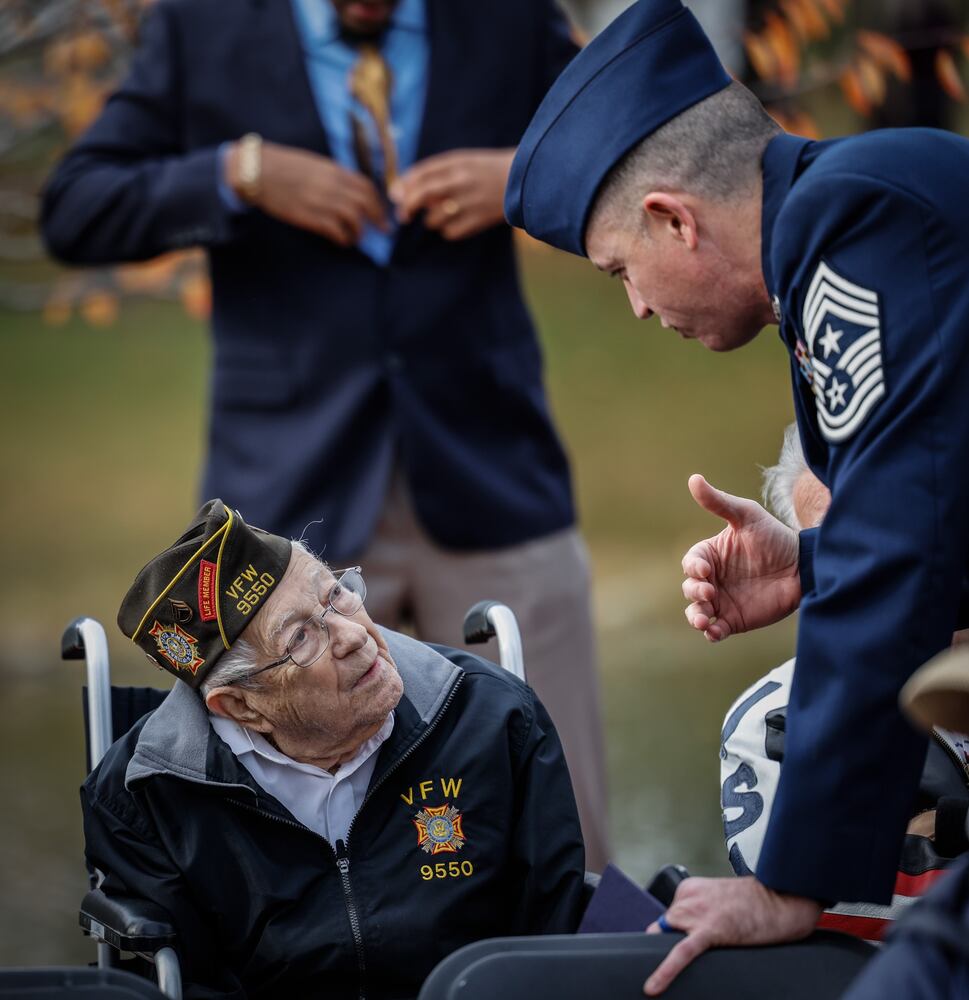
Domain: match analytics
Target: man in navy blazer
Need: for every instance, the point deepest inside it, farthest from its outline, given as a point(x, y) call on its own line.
point(376, 374)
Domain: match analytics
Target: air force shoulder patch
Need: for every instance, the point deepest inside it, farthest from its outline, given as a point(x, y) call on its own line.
point(842, 327)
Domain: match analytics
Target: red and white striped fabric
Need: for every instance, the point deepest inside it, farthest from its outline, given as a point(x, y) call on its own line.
point(872, 922)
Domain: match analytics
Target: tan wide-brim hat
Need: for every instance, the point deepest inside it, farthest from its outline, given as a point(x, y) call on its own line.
point(937, 694)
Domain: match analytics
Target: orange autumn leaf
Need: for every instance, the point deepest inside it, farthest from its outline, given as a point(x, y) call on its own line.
point(79, 103)
point(886, 52)
point(872, 80)
point(814, 19)
point(807, 21)
point(761, 56)
point(58, 58)
point(91, 51)
point(948, 76)
point(23, 102)
point(834, 9)
point(854, 92)
point(795, 17)
point(56, 311)
point(150, 276)
point(782, 42)
point(196, 296)
point(99, 308)
point(796, 122)
point(123, 16)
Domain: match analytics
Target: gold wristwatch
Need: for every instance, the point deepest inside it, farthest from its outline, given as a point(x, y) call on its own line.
point(249, 166)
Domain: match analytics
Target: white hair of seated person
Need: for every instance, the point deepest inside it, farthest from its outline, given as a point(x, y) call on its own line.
point(791, 490)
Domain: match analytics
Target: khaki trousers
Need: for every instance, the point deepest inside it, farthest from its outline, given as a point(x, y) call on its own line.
point(410, 580)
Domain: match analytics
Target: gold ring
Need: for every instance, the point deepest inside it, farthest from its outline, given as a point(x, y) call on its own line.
point(450, 207)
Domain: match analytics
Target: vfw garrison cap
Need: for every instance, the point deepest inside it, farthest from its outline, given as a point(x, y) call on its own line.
point(192, 601)
point(647, 66)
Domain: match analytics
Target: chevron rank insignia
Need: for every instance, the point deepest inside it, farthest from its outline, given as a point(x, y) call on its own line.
point(842, 327)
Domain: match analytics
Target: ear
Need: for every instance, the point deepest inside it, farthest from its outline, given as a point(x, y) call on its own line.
point(235, 703)
point(667, 213)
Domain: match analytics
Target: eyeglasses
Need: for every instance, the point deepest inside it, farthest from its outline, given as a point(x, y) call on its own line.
point(310, 640)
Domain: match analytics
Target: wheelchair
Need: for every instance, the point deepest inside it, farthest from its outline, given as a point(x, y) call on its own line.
point(139, 927)
point(569, 967)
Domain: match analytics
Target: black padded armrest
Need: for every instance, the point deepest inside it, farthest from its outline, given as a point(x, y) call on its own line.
point(127, 923)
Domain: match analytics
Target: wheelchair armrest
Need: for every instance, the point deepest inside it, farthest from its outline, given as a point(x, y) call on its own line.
point(127, 923)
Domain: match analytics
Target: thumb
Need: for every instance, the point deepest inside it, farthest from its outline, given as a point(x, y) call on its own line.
point(732, 509)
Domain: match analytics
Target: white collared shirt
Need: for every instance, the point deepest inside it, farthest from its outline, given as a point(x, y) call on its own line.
point(324, 802)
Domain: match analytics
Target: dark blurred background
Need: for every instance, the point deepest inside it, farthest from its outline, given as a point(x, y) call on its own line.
point(103, 390)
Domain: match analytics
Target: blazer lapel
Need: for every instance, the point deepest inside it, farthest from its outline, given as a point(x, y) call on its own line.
point(280, 99)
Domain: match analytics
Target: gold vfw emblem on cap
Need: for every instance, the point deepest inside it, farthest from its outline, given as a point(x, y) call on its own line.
point(439, 829)
point(177, 646)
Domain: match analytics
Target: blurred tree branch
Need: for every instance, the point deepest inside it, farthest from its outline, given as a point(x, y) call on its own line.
point(59, 59)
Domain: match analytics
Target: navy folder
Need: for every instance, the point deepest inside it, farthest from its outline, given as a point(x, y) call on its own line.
point(618, 904)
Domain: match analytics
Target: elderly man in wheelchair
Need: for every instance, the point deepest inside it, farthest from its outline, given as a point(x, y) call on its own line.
point(323, 807)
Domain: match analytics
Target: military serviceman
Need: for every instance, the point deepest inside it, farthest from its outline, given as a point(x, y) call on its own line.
point(646, 158)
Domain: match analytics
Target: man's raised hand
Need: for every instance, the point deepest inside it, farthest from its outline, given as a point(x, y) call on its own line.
point(746, 576)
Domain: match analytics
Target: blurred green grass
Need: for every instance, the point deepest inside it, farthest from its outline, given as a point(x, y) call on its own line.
point(101, 434)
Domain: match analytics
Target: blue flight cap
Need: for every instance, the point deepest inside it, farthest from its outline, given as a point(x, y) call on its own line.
point(647, 66)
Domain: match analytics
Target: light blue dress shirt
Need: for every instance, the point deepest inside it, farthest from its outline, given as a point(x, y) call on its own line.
point(329, 60)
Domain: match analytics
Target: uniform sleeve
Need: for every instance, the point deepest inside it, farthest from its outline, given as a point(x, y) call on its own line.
point(129, 190)
point(881, 294)
point(547, 854)
point(120, 843)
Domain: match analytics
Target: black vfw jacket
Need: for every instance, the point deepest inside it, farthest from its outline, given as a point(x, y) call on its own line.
point(468, 830)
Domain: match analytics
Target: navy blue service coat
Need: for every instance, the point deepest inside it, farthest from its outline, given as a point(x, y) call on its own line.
point(327, 366)
point(866, 250)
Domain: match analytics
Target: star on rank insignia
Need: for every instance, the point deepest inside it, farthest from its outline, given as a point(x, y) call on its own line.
point(439, 829)
point(842, 327)
point(177, 646)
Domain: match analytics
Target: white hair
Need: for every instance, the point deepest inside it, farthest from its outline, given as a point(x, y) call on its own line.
point(241, 659)
point(780, 479)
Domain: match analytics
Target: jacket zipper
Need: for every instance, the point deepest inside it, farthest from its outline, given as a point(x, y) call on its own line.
point(343, 863)
point(343, 866)
point(340, 851)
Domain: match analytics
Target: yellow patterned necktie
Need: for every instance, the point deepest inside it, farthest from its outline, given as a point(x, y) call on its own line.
point(370, 83)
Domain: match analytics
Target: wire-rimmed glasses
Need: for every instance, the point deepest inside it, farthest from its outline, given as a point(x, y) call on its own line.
point(308, 643)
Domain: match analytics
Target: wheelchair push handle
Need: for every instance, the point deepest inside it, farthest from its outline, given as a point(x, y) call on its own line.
point(492, 619)
point(84, 639)
point(664, 883)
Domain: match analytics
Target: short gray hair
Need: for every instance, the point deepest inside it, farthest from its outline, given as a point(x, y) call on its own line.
point(780, 479)
point(713, 149)
point(240, 660)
